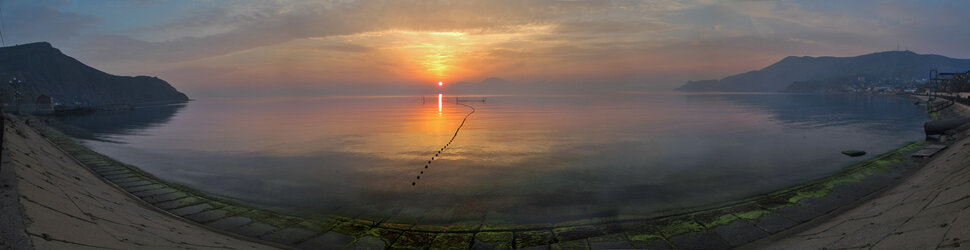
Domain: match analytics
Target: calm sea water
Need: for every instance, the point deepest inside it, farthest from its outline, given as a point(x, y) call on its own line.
point(518, 159)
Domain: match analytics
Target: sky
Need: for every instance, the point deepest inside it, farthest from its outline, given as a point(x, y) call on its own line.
point(253, 48)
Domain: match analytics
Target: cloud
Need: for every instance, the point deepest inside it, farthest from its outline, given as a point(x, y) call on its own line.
point(27, 21)
point(223, 30)
point(612, 27)
point(330, 42)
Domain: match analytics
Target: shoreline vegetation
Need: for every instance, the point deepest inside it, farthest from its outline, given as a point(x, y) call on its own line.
point(722, 225)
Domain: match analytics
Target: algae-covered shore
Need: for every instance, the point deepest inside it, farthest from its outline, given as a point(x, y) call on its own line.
point(928, 209)
point(722, 225)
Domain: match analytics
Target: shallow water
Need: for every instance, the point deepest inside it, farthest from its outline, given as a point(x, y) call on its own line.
point(518, 159)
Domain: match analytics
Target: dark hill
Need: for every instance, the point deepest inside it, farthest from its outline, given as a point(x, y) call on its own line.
point(826, 71)
point(45, 70)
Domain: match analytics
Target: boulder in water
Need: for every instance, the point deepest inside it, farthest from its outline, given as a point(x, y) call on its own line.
point(854, 153)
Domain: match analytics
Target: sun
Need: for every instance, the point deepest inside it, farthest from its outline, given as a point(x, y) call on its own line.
point(439, 84)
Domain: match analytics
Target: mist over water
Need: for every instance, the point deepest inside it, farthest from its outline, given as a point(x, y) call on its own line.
point(517, 159)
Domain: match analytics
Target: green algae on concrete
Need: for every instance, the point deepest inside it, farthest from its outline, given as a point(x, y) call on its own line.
point(854, 173)
point(493, 240)
point(564, 234)
point(386, 235)
point(452, 241)
point(497, 227)
point(414, 240)
point(752, 215)
point(646, 240)
point(463, 227)
point(533, 238)
point(574, 244)
point(351, 228)
point(494, 236)
point(678, 225)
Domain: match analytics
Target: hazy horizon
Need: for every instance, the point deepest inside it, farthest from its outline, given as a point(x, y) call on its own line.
point(309, 48)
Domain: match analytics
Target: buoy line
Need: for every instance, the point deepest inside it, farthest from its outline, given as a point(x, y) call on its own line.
point(443, 148)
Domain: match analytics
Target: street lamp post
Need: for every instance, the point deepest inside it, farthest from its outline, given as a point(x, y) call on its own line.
point(17, 85)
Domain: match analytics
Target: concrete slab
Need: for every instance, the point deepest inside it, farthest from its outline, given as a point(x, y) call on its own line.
point(165, 197)
point(230, 222)
point(574, 233)
point(573, 244)
point(479, 245)
point(414, 240)
point(452, 241)
point(798, 214)
point(208, 216)
point(739, 232)
point(330, 240)
point(152, 192)
point(254, 229)
point(143, 188)
point(290, 236)
point(369, 243)
point(610, 245)
point(773, 223)
point(122, 179)
point(533, 238)
point(191, 209)
point(826, 203)
point(699, 240)
point(135, 183)
point(493, 240)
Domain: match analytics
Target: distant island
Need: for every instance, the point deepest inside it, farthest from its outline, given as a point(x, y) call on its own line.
point(882, 70)
point(48, 74)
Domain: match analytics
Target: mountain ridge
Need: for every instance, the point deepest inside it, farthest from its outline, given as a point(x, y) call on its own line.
point(46, 70)
point(887, 66)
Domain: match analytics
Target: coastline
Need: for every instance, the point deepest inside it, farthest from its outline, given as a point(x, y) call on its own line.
point(929, 208)
point(721, 225)
point(51, 202)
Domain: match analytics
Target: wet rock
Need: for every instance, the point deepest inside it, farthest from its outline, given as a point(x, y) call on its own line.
point(854, 153)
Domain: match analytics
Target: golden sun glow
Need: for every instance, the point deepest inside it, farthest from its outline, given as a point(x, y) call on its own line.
point(446, 55)
point(398, 56)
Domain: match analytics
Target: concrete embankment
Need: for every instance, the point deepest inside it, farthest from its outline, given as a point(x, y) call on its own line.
point(49, 201)
point(929, 209)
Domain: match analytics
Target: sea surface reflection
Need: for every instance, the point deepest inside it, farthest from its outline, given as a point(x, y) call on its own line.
point(518, 159)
